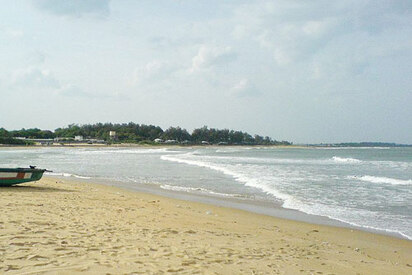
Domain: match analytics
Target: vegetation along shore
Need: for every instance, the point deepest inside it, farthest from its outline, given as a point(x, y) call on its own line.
point(134, 133)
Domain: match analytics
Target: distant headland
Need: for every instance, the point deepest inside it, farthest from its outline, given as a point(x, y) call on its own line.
point(132, 133)
point(360, 144)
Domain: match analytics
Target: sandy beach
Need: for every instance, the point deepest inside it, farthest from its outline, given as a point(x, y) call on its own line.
point(58, 226)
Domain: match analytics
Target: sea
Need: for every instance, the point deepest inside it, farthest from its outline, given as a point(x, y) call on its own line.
point(368, 188)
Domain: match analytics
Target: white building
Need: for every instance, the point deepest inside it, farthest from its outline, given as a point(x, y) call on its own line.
point(112, 135)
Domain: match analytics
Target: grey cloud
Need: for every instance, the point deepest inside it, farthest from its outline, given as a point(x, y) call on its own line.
point(342, 39)
point(297, 29)
point(244, 89)
point(154, 71)
point(35, 77)
point(225, 58)
point(208, 56)
point(76, 8)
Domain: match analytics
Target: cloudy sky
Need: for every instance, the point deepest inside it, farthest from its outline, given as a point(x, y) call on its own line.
point(303, 71)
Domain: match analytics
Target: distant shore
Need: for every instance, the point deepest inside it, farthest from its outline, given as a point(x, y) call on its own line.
point(162, 145)
point(70, 226)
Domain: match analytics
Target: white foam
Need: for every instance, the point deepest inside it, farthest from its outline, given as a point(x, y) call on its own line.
point(383, 180)
point(346, 160)
point(341, 214)
point(310, 161)
point(351, 148)
point(125, 151)
point(259, 160)
point(196, 190)
point(239, 177)
point(66, 175)
point(199, 163)
point(228, 150)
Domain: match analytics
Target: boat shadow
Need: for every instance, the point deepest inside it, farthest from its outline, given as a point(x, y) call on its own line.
point(32, 189)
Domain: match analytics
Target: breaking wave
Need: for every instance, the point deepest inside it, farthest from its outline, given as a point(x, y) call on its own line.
point(383, 180)
point(346, 160)
point(242, 173)
point(66, 175)
point(239, 177)
point(197, 190)
point(125, 151)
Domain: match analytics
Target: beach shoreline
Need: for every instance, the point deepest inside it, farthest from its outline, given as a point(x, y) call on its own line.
point(199, 189)
point(268, 208)
point(61, 226)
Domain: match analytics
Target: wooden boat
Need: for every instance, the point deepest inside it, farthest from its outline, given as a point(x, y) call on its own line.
point(11, 176)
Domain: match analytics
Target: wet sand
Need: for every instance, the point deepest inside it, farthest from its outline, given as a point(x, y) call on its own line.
point(56, 226)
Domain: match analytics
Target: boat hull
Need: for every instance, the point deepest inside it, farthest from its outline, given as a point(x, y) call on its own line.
point(11, 176)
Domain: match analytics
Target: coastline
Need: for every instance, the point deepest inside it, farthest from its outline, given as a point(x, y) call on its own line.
point(163, 145)
point(263, 205)
point(135, 145)
point(67, 226)
point(268, 208)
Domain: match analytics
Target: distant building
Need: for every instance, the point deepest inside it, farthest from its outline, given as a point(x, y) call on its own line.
point(113, 135)
point(78, 138)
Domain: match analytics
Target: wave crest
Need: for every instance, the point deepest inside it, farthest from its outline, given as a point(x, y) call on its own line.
point(66, 175)
point(384, 180)
point(197, 190)
point(345, 160)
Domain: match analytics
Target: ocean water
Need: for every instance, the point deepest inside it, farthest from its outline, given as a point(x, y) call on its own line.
point(366, 187)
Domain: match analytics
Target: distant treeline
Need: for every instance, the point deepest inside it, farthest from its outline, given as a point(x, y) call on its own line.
point(140, 133)
point(7, 138)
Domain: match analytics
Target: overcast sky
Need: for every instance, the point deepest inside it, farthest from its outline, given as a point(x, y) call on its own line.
point(303, 71)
